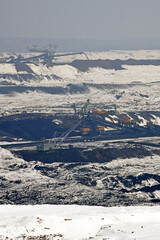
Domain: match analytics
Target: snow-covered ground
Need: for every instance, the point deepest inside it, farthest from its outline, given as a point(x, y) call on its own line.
point(136, 88)
point(73, 222)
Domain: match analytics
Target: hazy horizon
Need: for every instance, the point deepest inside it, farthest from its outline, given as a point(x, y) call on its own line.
point(74, 25)
point(85, 19)
point(70, 45)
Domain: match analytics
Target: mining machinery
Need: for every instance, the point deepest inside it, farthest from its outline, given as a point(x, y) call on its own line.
point(46, 56)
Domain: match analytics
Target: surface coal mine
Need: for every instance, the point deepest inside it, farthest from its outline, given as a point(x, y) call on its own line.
point(102, 170)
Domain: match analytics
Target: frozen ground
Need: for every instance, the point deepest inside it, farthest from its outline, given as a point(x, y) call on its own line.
point(123, 181)
point(72, 222)
point(135, 88)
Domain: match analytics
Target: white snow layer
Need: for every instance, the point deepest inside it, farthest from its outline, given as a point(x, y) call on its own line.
point(72, 222)
point(135, 88)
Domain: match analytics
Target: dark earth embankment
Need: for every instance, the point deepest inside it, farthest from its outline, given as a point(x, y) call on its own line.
point(117, 64)
point(120, 175)
point(108, 177)
point(98, 155)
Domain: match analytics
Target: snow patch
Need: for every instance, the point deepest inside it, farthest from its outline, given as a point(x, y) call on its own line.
point(80, 222)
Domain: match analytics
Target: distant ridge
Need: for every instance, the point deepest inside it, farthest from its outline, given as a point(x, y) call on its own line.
point(67, 45)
